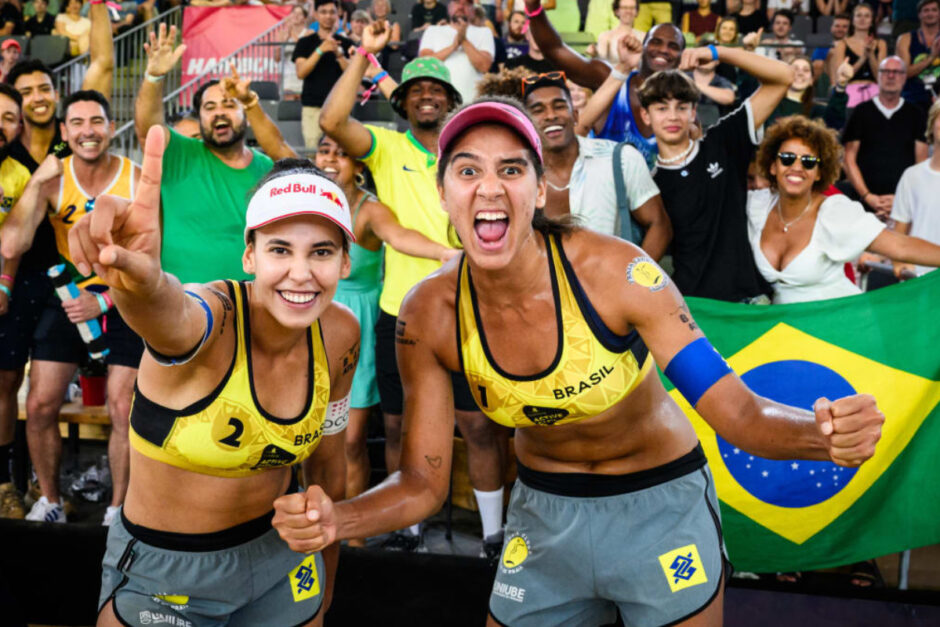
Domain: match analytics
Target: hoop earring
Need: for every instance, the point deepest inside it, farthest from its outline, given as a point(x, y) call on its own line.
point(360, 179)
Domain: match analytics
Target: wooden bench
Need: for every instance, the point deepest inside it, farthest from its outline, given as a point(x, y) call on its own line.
point(76, 421)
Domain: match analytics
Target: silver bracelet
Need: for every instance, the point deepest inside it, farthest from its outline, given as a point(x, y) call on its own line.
point(620, 76)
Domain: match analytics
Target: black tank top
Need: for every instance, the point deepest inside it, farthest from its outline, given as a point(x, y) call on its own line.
point(864, 72)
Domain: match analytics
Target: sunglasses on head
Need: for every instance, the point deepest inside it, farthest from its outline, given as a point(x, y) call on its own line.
point(789, 158)
point(546, 78)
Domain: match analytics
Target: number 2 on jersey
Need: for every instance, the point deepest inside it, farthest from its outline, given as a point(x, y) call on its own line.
point(237, 429)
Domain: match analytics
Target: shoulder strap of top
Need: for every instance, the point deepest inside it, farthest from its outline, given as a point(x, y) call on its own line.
point(362, 200)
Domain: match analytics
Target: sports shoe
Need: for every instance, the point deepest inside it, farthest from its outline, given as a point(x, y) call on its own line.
point(404, 540)
point(43, 510)
point(11, 503)
point(110, 515)
point(492, 548)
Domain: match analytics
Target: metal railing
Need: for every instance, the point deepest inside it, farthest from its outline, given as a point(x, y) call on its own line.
point(130, 61)
point(256, 61)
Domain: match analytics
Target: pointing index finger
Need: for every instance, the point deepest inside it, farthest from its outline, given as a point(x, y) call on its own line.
point(151, 171)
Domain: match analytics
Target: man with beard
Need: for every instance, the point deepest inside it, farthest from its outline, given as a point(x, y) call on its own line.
point(205, 181)
point(620, 120)
point(26, 278)
point(404, 166)
point(13, 179)
point(65, 190)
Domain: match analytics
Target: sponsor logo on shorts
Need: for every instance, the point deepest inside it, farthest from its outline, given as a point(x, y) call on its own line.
point(515, 553)
point(304, 583)
point(513, 593)
point(175, 601)
point(683, 568)
point(159, 618)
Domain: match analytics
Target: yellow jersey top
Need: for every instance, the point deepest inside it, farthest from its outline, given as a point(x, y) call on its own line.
point(71, 206)
point(405, 176)
point(593, 369)
point(228, 433)
point(13, 179)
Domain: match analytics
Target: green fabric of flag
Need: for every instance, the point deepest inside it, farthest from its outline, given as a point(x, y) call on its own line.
point(785, 515)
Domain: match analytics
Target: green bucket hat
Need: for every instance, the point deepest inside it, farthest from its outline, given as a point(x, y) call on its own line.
point(418, 69)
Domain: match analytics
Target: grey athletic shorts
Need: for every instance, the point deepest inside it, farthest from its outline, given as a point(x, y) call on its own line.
point(242, 576)
point(580, 546)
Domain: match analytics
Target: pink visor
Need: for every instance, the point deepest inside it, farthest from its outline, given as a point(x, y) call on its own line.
point(489, 112)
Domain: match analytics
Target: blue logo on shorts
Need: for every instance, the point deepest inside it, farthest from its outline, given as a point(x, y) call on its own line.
point(306, 578)
point(682, 567)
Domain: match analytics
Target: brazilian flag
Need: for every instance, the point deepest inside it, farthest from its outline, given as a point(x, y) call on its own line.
point(800, 515)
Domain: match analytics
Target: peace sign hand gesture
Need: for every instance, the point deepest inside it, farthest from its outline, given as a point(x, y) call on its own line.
point(120, 239)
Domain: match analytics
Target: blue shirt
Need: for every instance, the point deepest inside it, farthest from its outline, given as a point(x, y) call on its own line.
point(621, 125)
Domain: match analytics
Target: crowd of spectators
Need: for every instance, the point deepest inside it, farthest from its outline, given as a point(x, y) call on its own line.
point(649, 130)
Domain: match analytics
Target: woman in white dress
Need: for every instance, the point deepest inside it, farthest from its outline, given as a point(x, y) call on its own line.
point(801, 237)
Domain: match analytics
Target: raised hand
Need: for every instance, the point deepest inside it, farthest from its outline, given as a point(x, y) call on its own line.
point(375, 36)
point(851, 427)
point(752, 40)
point(50, 168)
point(161, 54)
point(120, 240)
point(630, 50)
point(234, 86)
point(328, 45)
point(305, 521)
point(844, 73)
point(695, 57)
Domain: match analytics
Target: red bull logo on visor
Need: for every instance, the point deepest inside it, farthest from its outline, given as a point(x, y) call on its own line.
point(300, 188)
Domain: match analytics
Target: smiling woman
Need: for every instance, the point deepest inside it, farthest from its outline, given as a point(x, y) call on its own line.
point(557, 329)
point(802, 238)
point(248, 379)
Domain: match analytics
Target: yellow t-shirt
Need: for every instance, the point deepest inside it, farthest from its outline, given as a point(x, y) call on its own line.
point(71, 206)
point(405, 179)
point(13, 179)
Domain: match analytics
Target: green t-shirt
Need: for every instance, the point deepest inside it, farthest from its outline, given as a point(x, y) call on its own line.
point(204, 203)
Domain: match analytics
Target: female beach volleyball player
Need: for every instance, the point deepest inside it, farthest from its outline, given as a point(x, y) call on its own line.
point(240, 380)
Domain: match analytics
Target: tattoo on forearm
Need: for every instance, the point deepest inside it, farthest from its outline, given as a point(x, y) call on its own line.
point(226, 307)
point(644, 272)
point(685, 317)
point(435, 462)
point(400, 337)
point(351, 358)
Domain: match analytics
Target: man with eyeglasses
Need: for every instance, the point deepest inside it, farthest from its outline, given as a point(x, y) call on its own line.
point(704, 181)
point(884, 136)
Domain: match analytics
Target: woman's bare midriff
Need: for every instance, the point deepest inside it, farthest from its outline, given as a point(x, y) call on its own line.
point(645, 430)
point(166, 498)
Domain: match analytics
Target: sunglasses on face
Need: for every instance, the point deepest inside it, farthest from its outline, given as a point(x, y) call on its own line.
point(789, 158)
point(546, 78)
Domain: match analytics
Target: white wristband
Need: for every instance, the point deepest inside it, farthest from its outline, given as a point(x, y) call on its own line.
point(153, 79)
point(337, 416)
point(620, 76)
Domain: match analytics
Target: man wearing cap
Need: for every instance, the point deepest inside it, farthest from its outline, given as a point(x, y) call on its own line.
point(10, 52)
point(404, 166)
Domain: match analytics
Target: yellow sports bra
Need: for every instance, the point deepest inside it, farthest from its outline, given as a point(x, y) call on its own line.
point(228, 433)
point(593, 369)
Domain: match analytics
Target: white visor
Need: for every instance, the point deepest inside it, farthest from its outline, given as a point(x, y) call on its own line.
point(295, 195)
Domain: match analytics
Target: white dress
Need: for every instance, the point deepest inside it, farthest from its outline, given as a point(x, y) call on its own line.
point(842, 232)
